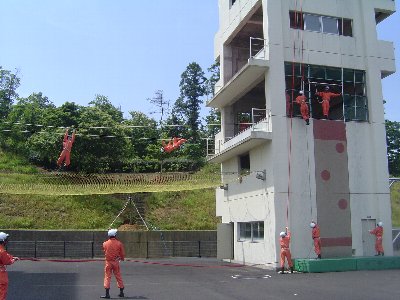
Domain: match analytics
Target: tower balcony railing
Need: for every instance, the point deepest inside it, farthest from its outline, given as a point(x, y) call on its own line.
point(245, 76)
point(255, 133)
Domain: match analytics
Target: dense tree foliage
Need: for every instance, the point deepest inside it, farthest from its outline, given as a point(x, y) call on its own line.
point(393, 146)
point(106, 141)
point(9, 82)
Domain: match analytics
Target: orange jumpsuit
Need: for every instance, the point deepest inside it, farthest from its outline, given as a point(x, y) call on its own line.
point(326, 98)
point(172, 145)
point(114, 252)
point(317, 241)
point(378, 232)
point(285, 251)
point(301, 100)
point(5, 259)
point(66, 152)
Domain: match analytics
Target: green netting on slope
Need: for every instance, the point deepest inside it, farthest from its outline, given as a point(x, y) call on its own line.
point(89, 184)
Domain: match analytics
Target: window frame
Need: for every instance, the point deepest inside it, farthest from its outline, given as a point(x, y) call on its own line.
point(298, 20)
point(251, 231)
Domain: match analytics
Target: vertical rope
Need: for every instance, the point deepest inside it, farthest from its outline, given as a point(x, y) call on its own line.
point(291, 115)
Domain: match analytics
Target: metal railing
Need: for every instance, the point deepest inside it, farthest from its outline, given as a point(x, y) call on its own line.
point(260, 121)
point(258, 48)
point(93, 249)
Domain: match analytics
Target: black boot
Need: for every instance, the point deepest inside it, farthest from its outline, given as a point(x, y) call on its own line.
point(107, 295)
point(382, 253)
point(291, 270)
point(319, 256)
point(121, 292)
point(282, 270)
point(307, 122)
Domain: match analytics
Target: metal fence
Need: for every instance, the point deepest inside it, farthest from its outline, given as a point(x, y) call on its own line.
point(93, 249)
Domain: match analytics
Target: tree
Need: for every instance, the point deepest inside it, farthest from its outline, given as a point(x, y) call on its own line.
point(99, 146)
point(214, 77)
point(101, 102)
point(192, 88)
point(9, 83)
point(143, 135)
point(393, 146)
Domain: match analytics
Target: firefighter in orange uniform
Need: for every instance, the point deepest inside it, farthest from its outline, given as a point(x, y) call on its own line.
point(114, 252)
point(172, 145)
point(326, 98)
point(285, 251)
point(378, 232)
point(316, 238)
point(67, 147)
point(301, 100)
point(5, 259)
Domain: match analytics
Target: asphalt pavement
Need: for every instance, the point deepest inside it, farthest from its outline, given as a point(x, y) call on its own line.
point(193, 279)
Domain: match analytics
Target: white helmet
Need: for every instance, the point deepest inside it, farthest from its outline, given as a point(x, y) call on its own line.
point(301, 92)
point(380, 224)
point(312, 224)
point(282, 234)
point(112, 232)
point(3, 236)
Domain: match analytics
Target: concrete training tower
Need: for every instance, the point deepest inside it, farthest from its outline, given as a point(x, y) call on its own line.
point(276, 170)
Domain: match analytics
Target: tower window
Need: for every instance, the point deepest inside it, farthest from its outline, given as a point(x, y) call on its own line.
point(351, 105)
point(319, 23)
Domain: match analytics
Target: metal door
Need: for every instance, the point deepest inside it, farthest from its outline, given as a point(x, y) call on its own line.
point(225, 241)
point(367, 238)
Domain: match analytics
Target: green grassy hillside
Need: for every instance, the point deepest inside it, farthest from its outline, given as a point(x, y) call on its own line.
point(188, 210)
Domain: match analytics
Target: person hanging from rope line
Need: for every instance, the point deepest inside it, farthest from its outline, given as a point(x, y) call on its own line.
point(172, 145)
point(285, 251)
point(302, 101)
point(65, 155)
point(326, 96)
point(315, 233)
point(114, 253)
point(5, 259)
point(378, 232)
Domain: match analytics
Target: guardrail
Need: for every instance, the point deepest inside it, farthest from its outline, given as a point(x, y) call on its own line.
point(93, 249)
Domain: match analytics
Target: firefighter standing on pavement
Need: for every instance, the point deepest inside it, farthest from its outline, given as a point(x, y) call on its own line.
point(285, 251)
point(378, 232)
point(114, 252)
point(5, 259)
point(316, 238)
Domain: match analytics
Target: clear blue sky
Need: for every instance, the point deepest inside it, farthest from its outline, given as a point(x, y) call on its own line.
point(125, 49)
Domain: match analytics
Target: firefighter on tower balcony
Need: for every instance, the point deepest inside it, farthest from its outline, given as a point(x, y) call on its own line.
point(326, 96)
point(378, 232)
point(315, 233)
point(302, 101)
point(285, 251)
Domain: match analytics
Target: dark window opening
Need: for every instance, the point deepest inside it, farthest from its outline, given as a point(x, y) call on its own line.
point(296, 20)
point(319, 23)
point(244, 164)
point(346, 27)
point(351, 105)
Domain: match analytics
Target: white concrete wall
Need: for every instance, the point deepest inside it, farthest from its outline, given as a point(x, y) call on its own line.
point(255, 200)
point(368, 180)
